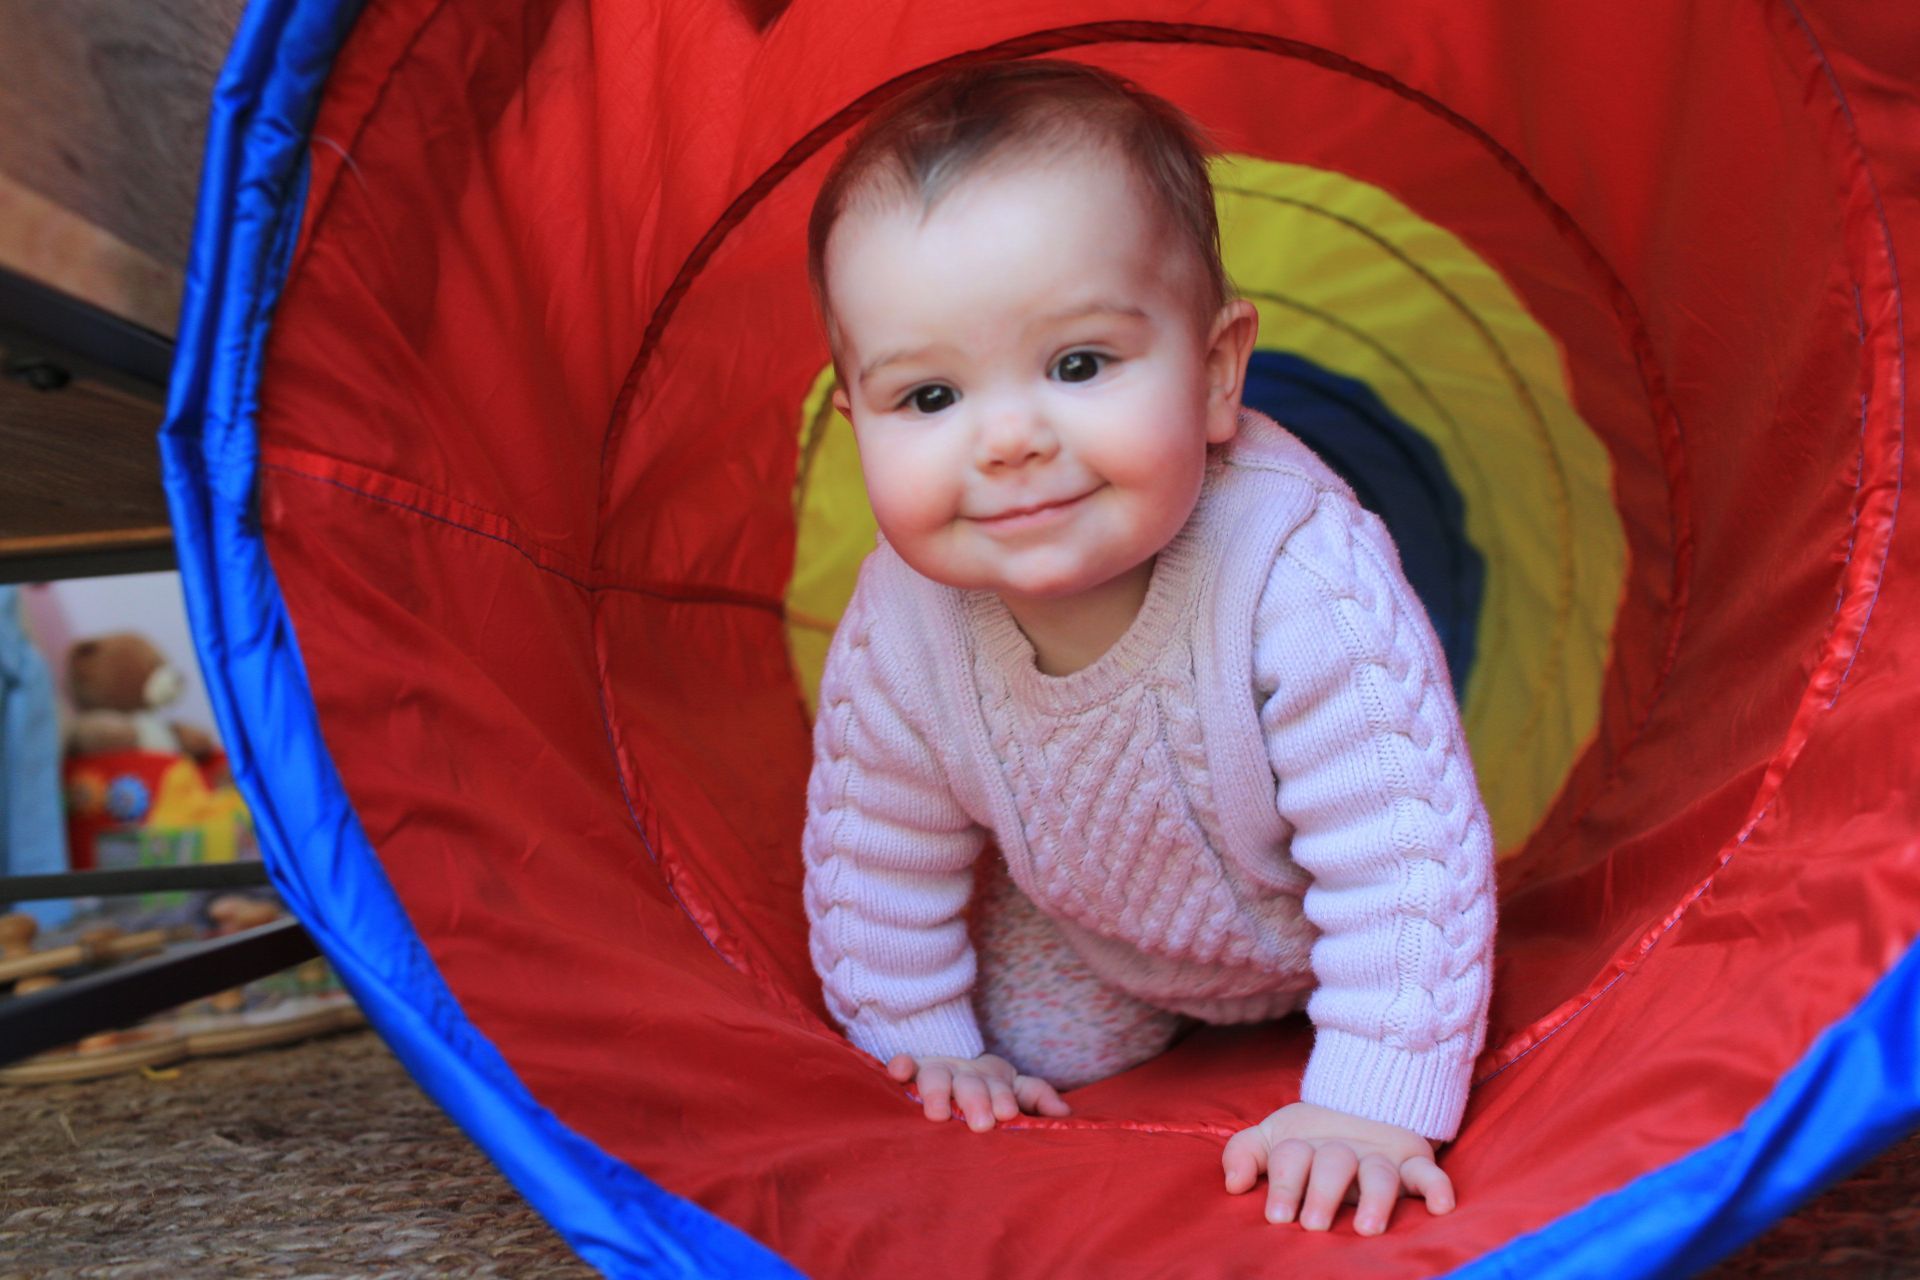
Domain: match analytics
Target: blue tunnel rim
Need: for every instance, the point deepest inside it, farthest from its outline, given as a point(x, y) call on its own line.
point(253, 191)
point(252, 194)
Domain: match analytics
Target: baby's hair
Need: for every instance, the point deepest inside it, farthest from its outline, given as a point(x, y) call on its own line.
point(925, 142)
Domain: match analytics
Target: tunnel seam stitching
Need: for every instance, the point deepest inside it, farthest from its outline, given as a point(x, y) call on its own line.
point(1799, 731)
point(528, 548)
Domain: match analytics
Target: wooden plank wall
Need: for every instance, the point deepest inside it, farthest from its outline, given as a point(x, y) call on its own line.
point(104, 106)
point(103, 112)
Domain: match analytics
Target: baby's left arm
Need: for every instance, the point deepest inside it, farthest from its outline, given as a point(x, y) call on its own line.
point(1375, 779)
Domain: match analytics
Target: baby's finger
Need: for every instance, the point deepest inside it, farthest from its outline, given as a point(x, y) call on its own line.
point(970, 1099)
point(1379, 1188)
point(1425, 1179)
point(902, 1066)
point(1242, 1161)
point(1005, 1105)
point(1039, 1098)
point(1287, 1171)
point(1333, 1168)
point(936, 1091)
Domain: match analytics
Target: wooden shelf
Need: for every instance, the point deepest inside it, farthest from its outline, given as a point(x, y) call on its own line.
point(82, 482)
point(106, 106)
point(80, 408)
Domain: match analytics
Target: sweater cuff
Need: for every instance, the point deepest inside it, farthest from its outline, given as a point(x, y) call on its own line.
point(947, 1030)
point(1425, 1092)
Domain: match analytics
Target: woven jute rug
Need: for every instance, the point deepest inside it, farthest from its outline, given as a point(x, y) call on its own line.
point(324, 1159)
point(320, 1159)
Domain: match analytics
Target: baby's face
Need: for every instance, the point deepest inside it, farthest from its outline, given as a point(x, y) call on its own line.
point(1030, 380)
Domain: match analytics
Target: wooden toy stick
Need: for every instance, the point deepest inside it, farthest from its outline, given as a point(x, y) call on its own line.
point(79, 953)
point(42, 962)
point(131, 944)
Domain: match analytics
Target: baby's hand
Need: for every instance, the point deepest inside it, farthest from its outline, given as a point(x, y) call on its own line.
point(1320, 1151)
point(982, 1089)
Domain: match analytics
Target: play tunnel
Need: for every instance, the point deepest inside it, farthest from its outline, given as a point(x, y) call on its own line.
point(514, 519)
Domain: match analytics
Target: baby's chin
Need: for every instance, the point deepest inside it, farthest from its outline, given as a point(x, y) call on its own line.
point(1051, 583)
point(1064, 586)
point(1037, 583)
point(1037, 573)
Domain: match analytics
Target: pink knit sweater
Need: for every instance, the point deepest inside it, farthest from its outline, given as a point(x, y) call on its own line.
point(1259, 797)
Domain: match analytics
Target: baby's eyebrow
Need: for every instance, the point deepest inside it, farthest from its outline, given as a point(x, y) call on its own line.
point(1098, 306)
point(1077, 311)
point(880, 362)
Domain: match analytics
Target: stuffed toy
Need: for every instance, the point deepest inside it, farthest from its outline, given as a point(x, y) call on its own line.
point(159, 787)
point(119, 684)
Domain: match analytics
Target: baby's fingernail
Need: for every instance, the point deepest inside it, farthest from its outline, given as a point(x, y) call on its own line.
point(1279, 1215)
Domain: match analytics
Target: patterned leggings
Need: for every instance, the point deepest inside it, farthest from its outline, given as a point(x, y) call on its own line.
point(1039, 1005)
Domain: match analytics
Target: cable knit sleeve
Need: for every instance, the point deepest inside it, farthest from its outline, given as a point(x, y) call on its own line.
point(1375, 779)
point(889, 854)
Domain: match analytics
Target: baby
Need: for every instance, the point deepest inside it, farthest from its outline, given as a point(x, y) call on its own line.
point(1139, 639)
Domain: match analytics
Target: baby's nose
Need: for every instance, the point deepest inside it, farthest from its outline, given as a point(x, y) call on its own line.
point(1014, 434)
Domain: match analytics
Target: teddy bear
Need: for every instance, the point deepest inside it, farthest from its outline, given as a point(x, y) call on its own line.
point(118, 684)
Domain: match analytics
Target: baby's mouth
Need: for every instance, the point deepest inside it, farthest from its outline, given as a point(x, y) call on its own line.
point(1031, 511)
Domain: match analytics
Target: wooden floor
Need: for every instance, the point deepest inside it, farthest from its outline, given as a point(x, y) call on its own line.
point(325, 1160)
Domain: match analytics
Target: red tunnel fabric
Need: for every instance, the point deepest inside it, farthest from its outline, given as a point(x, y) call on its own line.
point(528, 425)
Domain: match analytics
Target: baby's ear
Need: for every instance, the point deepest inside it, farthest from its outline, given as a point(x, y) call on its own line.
point(1229, 347)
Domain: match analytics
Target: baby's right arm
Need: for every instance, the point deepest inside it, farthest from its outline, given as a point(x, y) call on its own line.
point(889, 855)
point(889, 869)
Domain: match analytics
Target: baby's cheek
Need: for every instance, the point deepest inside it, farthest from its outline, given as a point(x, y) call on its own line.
point(1165, 484)
point(902, 486)
point(903, 511)
point(1170, 503)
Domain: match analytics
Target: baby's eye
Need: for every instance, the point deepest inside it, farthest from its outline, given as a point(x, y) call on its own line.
point(931, 398)
point(1078, 366)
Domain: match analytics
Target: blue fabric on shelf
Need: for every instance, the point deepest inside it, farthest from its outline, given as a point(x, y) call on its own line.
point(33, 828)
